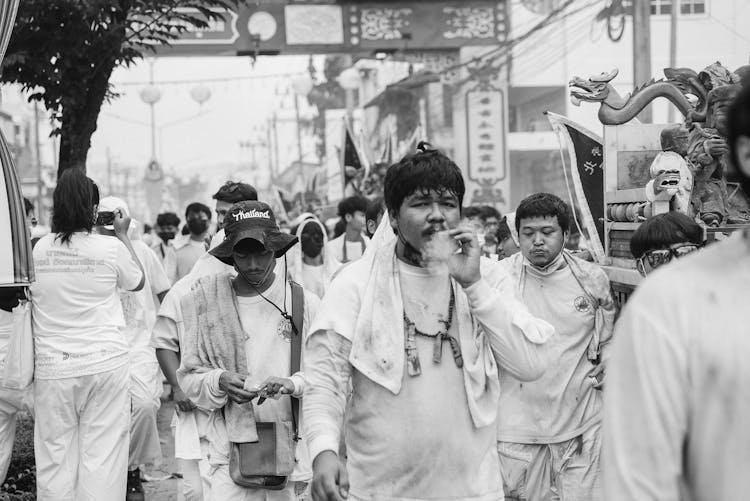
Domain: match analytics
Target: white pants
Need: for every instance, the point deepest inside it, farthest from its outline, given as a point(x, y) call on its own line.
point(81, 437)
point(196, 481)
point(223, 488)
point(145, 390)
point(11, 401)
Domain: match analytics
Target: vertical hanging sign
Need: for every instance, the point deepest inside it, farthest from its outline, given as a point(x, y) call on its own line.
point(487, 149)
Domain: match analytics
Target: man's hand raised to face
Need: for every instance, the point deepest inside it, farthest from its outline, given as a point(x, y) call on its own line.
point(330, 480)
point(464, 266)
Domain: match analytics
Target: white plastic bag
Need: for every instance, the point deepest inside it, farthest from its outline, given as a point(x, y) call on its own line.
point(17, 371)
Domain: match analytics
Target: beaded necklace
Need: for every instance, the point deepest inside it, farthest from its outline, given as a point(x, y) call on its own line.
point(411, 332)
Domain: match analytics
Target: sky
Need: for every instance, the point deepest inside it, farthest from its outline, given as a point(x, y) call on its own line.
point(190, 138)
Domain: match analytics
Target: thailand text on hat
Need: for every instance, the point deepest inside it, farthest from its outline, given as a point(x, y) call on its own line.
point(255, 220)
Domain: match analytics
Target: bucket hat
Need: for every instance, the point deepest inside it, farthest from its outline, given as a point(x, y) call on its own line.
point(254, 220)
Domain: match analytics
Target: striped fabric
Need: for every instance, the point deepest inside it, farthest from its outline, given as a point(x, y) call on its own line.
point(16, 265)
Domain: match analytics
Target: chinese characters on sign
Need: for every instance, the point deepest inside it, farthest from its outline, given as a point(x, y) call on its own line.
point(485, 110)
point(286, 27)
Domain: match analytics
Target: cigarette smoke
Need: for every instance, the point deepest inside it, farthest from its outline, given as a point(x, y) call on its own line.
point(438, 250)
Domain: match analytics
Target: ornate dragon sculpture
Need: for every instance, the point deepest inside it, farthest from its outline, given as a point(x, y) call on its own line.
point(703, 99)
point(615, 109)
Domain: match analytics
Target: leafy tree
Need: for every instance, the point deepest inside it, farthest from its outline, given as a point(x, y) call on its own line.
point(64, 52)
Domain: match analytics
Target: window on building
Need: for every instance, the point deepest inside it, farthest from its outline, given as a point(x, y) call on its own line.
point(664, 7)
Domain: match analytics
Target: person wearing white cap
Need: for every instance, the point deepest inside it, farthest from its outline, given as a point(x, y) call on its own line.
point(139, 309)
point(81, 373)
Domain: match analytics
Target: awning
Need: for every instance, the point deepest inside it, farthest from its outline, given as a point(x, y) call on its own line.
point(408, 84)
point(16, 264)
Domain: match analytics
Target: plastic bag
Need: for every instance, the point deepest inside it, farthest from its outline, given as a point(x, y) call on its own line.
point(17, 371)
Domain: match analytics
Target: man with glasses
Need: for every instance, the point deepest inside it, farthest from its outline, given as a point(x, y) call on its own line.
point(662, 238)
point(676, 406)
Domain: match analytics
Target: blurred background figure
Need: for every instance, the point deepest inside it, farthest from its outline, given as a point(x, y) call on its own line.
point(139, 309)
point(167, 225)
point(664, 237)
point(507, 236)
point(311, 264)
point(198, 217)
point(351, 244)
point(373, 215)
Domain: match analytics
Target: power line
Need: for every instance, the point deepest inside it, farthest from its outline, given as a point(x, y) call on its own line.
point(549, 19)
point(209, 80)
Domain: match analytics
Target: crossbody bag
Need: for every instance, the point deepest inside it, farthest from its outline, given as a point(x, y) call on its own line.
point(268, 463)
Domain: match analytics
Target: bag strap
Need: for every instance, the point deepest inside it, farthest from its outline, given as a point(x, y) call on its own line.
point(298, 313)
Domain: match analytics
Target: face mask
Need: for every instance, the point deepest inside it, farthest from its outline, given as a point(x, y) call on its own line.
point(166, 236)
point(311, 248)
point(197, 226)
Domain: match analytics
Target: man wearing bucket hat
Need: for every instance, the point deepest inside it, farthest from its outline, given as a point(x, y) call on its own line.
point(238, 349)
point(139, 310)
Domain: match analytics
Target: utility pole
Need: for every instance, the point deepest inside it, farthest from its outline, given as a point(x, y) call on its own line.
point(673, 48)
point(270, 150)
point(299, 127)
point(642, 49)
point(151, 106)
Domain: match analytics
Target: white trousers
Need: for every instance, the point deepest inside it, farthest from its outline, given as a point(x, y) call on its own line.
point(81, 437)
point(145, 390)
point(11, 401)
point(196, 481)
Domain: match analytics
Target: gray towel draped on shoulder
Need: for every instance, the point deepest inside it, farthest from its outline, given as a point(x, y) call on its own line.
point(214, 339)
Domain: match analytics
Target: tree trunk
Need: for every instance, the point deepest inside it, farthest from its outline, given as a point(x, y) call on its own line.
point(79, 118)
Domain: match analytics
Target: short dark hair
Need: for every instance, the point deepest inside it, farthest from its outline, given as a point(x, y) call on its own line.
point(375, 209)
point(663, 230)
point(543, 205)
point(350, 205)
point(423, 171)
point(738, 125)
point(167, 219)
point(233, 192)
point(471, 212)
point(73, 204)
point(27, 206)
point(197, 207)
point(488, 211)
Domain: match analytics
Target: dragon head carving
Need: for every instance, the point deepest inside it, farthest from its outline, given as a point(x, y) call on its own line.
point(594, 89)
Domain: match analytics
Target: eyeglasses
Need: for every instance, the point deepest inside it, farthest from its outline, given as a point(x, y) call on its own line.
point(659, 257)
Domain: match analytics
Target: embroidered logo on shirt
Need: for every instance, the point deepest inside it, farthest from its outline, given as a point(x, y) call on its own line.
point(582, 303)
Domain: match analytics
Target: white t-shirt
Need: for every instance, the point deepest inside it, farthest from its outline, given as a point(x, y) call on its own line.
point(268, 350)
point(188, 254)
point(139, 308)
point(354, 250)
point(168, 257)
point(676, 402)
point(562, 403)
point(421, 443)
point(77, 315)
point(314, 278)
